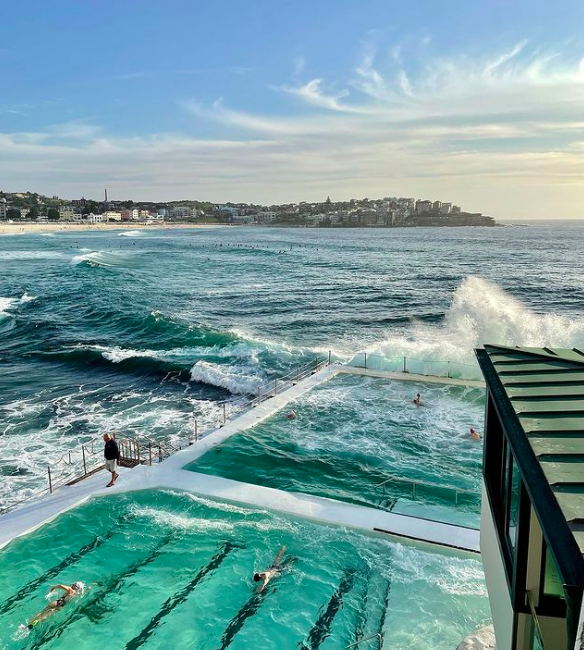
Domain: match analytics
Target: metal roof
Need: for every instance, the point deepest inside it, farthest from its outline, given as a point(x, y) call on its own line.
point(545, 387)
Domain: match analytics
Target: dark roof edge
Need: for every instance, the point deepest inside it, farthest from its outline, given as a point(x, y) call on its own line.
point(551, 518)
point(548, 356)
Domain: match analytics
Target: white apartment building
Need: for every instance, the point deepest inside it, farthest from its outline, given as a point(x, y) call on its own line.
point(94, 218)
point(112, 215)
point(3, 208)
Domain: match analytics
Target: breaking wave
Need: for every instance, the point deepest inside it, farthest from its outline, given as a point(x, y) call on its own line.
point(234, 379)
point(104, 259)
point(480, 312)
point(131, 233)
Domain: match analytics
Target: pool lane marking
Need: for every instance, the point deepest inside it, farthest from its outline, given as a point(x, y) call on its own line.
point(181, 596)
point(249, 609)
point(321, 629)
point(70, 560)
point(84, 608)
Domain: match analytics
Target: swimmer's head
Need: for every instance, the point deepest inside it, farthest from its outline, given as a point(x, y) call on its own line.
point(257, 577)
point(78, 586)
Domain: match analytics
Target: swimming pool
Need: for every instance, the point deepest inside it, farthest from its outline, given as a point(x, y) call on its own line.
point(173, 570)
point(353, 433)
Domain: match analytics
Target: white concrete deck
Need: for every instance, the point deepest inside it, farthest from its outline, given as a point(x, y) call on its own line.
point(409, 376)
point(171, 474)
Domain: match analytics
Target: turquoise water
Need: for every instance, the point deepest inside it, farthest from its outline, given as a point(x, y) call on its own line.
point(138, 332)
point(172, 570)
point(352, 433)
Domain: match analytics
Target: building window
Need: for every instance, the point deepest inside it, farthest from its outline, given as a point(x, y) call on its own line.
point(513, 501)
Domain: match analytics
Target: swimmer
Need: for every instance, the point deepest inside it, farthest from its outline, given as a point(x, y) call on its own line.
point(54, 606)
point(417, 399)
point(291, 415)
point(273, 572)
point(475, 435)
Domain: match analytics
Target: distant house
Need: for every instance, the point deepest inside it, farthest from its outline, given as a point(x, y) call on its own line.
point(66, 212)
point(94, 218)
point(112, 215)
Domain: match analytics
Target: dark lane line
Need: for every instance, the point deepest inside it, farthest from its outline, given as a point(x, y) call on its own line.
point(93, 608)
point(29, 587)
point(321, 629)
point(180, 597)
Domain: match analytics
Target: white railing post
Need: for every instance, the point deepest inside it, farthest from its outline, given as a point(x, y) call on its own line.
point(84, 463)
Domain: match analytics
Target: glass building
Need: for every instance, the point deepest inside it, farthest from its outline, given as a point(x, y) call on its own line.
point(532, 520)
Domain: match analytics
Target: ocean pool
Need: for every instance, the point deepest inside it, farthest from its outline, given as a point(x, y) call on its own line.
point(355, 432)
point(173, 570)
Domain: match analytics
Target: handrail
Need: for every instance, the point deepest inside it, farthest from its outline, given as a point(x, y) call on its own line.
point(367, 638)
point(76, 464)
point(420, 484)
point(402, 363)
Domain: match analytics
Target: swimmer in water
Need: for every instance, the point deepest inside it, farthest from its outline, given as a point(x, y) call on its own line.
point(417, 399)
point(475, 435)
point(273, 572)
point(54, 606)
point(291, 415)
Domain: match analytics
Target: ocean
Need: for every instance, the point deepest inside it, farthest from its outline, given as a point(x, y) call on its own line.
point(139, 331)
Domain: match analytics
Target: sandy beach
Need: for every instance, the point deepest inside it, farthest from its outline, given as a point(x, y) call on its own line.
point(24, 228)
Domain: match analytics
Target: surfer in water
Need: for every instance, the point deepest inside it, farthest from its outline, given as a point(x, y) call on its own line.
point(273, 572)
point(76, 589)
point(475, 435)
point(417, 399)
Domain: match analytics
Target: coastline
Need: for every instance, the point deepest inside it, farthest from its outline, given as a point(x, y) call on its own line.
point(28, 228)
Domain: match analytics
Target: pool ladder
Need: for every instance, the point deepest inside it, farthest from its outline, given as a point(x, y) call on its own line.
point(367, 638)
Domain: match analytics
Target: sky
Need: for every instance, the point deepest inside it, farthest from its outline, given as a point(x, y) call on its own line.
point(478, 102)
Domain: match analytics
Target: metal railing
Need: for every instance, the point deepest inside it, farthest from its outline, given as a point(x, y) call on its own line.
point(418, 488)
point(77, 464)
point(377, 636)
point(414, 365)
point(229, 408)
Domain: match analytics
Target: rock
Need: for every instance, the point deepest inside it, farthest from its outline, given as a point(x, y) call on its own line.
point(483, 639)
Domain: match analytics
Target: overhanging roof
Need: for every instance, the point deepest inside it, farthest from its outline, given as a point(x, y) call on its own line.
point(545, 388)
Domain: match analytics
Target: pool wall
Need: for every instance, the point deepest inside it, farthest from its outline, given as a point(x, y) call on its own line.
point(171, 474)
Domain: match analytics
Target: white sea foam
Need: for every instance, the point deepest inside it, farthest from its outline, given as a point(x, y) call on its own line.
point(117, 354)
point(216, 505)
point(131, 233)
point(234, 379)
point(7, 305)
point(30, 255)
point(481, 312)
point(181, 522)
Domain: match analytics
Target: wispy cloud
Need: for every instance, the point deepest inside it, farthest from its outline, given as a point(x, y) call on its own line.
point(502, 133)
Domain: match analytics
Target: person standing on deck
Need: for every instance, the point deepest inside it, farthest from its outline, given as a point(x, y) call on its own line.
point(111, 454)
